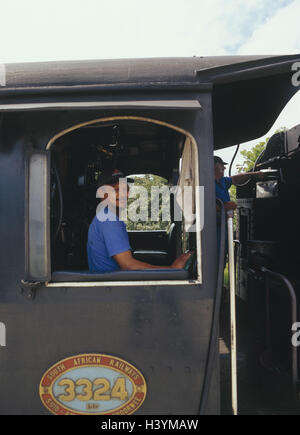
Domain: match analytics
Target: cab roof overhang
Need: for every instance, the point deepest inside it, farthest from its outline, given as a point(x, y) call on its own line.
point(248, 92)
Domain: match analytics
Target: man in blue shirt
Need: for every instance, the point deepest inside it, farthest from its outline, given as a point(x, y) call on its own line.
point(223, 185)
point(105, 240)
point(108, 246)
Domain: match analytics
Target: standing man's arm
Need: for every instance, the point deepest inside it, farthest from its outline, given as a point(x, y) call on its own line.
point(242, 178)
point(230, 205)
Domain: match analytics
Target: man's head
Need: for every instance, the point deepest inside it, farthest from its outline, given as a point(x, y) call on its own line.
point(113, 187)
point(219, 168)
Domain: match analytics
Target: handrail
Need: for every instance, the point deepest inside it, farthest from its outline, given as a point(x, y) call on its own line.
point(293, 299)
point(233, 343)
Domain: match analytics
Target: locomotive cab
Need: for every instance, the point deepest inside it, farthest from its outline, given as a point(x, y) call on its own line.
point(123, 342)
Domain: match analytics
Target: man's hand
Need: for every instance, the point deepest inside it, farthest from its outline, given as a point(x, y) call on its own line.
point(259, 175)
point(230, 205)
point(126, 261)
point(243, 178)
point(180, 262)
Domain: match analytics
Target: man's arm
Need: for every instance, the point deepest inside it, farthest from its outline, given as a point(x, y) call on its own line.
point(126, 261)
point(242, 178)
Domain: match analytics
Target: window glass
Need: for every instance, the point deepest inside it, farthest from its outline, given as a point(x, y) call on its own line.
point(37, 221)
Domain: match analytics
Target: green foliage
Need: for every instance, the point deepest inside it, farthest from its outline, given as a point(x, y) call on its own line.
point(226, 277)
point(232, 192)
point(251, 156)
point(148, 181)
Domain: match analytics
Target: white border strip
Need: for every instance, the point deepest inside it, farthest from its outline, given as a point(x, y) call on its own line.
point(120, 283)
point(169, 104)
point(2, 74)
point(2, 335)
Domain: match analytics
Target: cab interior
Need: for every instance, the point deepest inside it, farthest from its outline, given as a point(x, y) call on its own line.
point(77, 159)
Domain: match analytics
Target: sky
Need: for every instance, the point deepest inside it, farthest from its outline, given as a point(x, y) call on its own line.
point(44, 30)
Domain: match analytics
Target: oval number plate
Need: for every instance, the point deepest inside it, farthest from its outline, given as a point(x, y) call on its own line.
point(93, 384)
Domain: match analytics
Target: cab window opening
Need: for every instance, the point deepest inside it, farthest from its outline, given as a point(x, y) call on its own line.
point(79, 157)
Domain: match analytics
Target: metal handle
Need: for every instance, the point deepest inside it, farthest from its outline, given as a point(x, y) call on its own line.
point(233, 349)
point(293, 299)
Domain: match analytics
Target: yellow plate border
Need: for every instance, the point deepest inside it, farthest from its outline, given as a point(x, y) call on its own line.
point(42, 393)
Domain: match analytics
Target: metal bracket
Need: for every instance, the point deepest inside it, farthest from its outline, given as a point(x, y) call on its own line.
point(30, 288)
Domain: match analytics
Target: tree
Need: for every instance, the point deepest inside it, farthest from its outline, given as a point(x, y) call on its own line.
point(251, 156)
point(148, 182)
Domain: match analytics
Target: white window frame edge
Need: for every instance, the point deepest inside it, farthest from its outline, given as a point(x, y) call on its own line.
point(122, 283)
point(153, 104)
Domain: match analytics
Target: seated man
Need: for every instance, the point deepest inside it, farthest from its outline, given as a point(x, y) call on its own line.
point(108, 245)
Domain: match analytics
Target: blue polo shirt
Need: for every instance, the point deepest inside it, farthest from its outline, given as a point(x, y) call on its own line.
point(106, 239)
point(222, 193)
point(222, 187)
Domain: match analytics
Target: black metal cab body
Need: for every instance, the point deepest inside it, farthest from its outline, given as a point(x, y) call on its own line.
point(51, 308)
point(268, 258)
